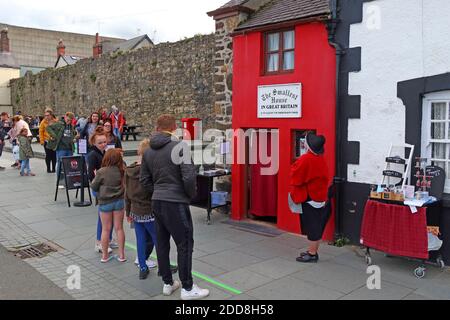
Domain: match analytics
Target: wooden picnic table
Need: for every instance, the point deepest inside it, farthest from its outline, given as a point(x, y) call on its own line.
point(130, 130)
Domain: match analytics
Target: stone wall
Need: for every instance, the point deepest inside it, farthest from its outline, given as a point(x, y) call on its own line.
point(224, 70)
point(175, 78)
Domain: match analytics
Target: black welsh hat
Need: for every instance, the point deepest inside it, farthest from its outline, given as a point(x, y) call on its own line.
point(315, 143)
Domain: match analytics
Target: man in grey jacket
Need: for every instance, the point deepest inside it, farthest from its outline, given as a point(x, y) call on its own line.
point(167, 171)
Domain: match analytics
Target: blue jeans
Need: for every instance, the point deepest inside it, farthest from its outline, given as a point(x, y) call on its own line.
point(25, 164)
point(116, 132)
point(59, 155)
point(144, 231)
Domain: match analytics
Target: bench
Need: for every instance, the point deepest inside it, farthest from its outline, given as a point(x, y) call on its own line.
point(131, 131)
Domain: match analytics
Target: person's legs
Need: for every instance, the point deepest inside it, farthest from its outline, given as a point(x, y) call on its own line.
point(59, 155)
point(27, 166)
point(2, 143)
point(310, 223)
point(99, 229)
point(181, 229)
point(313, 247)
point(151, 239)
point(120, 233)
point(106, 218)
point(22, 167)
point(47, 157)
point(141, 242)
point(53, 159)
point(163, 247)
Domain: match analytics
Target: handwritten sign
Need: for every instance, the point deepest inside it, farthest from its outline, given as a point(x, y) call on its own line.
point(280, 101)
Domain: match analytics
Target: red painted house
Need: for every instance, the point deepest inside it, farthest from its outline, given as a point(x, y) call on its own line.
point(282, 51)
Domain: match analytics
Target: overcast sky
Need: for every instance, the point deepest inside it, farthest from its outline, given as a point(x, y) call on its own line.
point(162, 20)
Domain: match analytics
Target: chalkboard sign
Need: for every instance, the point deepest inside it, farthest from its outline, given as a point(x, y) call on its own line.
point(75, 176)
point(437, 180)
point(392, 173)
point(74, 169)
point(438, 177)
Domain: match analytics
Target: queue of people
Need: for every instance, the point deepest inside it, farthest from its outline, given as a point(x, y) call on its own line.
point(155, 192)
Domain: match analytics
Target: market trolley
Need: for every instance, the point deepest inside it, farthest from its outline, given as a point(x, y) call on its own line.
point(393, 229)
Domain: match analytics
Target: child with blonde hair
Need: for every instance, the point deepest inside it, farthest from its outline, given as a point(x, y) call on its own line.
point(25, 153)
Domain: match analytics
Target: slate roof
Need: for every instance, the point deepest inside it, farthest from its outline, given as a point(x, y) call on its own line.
point(7, 60)
point(285, 10)
point(233, 3)
point(124, 45)
point(68, 59)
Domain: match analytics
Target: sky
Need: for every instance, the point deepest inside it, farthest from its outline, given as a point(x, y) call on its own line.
point(161, 20)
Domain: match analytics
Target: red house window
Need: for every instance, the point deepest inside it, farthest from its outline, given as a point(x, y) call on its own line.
point(279, 51)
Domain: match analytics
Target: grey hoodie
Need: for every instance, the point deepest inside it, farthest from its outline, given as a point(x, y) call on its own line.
point(168, 181)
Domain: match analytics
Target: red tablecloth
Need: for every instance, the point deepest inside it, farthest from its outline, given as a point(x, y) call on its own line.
point(395, 230)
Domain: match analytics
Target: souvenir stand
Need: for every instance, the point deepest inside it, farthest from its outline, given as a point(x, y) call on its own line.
point(403, 220)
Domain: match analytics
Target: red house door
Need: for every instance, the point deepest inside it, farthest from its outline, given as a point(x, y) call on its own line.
point(263, 188)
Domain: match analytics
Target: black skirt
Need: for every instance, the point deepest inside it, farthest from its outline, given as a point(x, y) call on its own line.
point(313, 221)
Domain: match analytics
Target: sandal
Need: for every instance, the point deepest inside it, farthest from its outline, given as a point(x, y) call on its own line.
point(107, 260)
point(121, 260)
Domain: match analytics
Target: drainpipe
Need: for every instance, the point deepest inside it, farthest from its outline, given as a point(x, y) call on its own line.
point(338, 180)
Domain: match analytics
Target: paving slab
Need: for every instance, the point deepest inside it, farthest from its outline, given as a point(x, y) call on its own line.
point(206, 269)
point(244, 279)
point(230, 260)
point(217, 246)
point(290, 288)
point(333, 276)
point(388, 291)
point(278, 267)
point(152, 285)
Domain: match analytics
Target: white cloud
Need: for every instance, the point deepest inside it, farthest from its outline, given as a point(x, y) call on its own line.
point(166, 20)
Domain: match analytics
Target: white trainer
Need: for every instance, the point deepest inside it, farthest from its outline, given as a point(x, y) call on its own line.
point(169, 289)
point(114, 245)
point(98, 248)
point(150, 264)
point(194, 294)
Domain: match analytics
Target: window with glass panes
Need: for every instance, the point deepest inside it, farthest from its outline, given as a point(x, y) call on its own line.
point(436, 132)
point(279, 51)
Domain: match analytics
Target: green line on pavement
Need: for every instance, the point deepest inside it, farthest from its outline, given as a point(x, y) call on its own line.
point(196, 274)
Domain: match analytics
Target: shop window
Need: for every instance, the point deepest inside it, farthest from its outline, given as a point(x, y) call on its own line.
point(279, 51)
point(436, 132)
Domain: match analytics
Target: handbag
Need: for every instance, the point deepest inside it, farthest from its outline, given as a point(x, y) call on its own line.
point(15, 151)
point(295, 208)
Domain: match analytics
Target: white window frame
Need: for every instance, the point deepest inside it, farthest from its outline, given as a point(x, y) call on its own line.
point(426, 147)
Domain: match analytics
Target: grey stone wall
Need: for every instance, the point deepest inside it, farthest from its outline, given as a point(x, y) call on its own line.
point(175, 78)
point(223, 70)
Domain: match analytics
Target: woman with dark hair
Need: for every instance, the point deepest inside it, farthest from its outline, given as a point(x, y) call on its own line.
point(109, 185)
point(111, 139)
point(89, 128)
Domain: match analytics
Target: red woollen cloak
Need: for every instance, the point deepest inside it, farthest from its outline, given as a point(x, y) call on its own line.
point(309, 177)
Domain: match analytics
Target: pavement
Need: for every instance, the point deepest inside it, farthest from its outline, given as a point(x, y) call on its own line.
point(233, 263)
point(19, 280)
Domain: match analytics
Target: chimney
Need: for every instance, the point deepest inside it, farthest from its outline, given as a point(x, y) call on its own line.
point(60, 49)
point(4, 40)
point(97, 49)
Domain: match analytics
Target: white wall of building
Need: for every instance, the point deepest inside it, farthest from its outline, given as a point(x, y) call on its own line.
point(6, 74)
point(400, 40)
